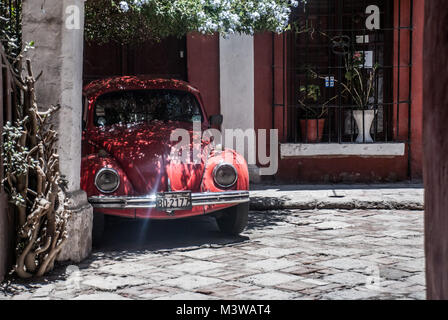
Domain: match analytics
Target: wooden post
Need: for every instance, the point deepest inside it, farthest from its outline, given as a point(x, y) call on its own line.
point(435, 135)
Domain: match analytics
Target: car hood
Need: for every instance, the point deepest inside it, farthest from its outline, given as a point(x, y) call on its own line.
point(143, 150)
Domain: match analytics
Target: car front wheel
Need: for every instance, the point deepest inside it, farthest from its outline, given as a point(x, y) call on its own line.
point(234, 219)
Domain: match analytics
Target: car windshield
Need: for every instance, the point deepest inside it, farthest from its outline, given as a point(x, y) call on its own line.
point(125, 107)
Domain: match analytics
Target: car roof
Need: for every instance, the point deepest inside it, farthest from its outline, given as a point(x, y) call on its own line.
point(99, 87)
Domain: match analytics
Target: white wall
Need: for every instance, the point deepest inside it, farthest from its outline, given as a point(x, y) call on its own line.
point(59, 54)
point(237, 82)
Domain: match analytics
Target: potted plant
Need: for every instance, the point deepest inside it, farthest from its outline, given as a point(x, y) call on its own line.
point(361, 85)
point(312, 126)
point(360, 81)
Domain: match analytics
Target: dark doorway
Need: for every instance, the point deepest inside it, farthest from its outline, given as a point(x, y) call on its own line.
point(164, 59)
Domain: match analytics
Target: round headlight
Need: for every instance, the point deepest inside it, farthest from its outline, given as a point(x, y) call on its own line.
point(225, 175)
point(107, 180)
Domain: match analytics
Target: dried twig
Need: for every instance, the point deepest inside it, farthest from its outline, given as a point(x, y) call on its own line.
point(38, 200)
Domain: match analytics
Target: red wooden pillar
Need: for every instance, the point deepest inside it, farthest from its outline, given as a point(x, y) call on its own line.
point(280, 82)
point(435, 135)
point(203, 69)
point(417, 91)
point(402, 62)
point(409, 62)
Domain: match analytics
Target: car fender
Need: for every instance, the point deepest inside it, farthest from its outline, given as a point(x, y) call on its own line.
point(91, 164)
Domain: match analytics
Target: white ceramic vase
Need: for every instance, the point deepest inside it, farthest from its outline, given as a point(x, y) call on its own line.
point(365, 125)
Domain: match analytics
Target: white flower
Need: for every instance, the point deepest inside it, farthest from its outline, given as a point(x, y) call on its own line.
point(124, 6)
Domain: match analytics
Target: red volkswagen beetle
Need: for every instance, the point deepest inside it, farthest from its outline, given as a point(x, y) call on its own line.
point(127, 166)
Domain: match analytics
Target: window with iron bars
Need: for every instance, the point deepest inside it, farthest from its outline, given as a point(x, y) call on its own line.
point(349, 72)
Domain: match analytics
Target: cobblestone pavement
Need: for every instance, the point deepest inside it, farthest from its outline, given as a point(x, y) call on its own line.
point(325, 254)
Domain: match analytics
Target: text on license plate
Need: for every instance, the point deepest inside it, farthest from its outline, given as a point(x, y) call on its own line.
point(173, 201)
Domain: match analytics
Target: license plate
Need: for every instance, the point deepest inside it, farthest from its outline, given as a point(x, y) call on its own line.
point(167, 201)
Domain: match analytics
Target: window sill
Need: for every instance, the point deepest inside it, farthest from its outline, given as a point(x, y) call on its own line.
point(302, 150)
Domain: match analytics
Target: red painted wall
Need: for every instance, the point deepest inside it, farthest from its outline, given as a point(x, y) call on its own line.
point(263, 80)
point(416, 96)
point(402, 59)
point(348, 169)
point(417, 91)
point(203, 69)
point(263, 83)
point(342, 170)
point(203, 72)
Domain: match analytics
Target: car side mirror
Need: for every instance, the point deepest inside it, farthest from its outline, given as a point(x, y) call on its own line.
point(216, 120)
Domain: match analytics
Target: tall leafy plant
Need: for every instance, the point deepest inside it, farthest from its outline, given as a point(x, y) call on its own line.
point(360, 81)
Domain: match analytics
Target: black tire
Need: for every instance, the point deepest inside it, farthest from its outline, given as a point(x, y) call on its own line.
point(98, 228)
point(233, 220)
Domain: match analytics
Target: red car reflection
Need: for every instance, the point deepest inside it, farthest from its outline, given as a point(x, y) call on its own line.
point(128, 168)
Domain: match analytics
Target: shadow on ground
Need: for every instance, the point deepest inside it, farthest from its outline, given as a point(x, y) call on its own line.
point(266, 219)
point(126, 238)
point(150, 235)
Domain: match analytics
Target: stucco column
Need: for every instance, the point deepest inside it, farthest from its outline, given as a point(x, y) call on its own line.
point(56, 27)
point(236, 60)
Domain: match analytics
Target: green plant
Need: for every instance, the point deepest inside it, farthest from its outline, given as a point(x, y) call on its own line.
point(360, 80)
point(308, 97)
point(311, 92)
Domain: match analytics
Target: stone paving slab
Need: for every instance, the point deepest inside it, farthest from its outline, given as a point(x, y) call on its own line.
point(305, 197)
point(283, 254)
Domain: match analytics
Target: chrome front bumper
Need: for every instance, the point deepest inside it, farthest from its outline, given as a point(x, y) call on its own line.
point(198, 199)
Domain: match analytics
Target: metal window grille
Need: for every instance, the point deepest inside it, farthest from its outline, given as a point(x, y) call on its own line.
point(319, 100)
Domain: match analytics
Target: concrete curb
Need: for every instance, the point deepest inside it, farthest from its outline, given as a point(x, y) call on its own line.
point(345, 197)
point(266, 204)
